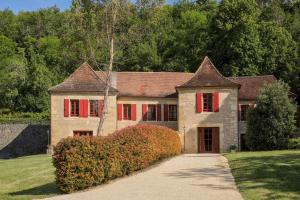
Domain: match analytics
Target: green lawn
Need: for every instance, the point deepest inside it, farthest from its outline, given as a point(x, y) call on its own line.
point(27, 178)
point(267, 175)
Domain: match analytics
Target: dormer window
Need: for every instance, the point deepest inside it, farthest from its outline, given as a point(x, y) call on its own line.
point(207, 102)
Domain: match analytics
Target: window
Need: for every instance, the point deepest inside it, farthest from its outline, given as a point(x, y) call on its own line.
point(151, 112)
point(207, 102)
point(82, 133)
point(244, 110)
point(94, 108)
point(74, 107)
point(127, 111)
point(172, 112)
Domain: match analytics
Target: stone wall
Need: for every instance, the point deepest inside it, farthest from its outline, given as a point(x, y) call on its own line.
point(23, 139)
point(139, 116)
point(62, 127)
point(226, 119)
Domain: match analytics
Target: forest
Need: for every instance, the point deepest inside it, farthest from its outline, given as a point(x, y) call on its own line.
point(41, 48)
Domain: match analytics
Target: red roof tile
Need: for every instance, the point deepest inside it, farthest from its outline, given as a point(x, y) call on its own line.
point(84, 79)
point(207, 75)
point(150, 84)
point(250, 85)
point(160, 84)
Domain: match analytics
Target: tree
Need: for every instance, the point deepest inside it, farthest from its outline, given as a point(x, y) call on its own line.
point(236, 44)
point(272, 121)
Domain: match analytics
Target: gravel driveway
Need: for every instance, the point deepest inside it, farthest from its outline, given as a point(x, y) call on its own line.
point(186, 177)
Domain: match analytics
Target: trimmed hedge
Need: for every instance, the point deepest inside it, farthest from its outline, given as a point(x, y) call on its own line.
point(294, 143)
point(82, 162)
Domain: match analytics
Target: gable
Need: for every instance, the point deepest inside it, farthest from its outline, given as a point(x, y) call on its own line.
point(207, 75)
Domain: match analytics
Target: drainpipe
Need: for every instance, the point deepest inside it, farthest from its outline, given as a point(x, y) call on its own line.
point(184, 138)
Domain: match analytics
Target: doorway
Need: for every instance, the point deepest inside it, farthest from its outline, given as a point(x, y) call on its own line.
point(208, 140)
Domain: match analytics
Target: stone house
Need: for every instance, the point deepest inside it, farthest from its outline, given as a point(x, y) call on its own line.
point(207, 109)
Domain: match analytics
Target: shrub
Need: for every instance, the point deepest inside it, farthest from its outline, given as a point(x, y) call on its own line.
point(294, 143)
point(82, 162)
point(272, 121)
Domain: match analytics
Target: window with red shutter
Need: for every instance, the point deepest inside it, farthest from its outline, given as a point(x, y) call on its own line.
point(244, 110)
point(151, 113)
point(127, 111)
point(74, 107)
point(172, 113)
point(82, 133)
point(94, 108)
point(207, 102)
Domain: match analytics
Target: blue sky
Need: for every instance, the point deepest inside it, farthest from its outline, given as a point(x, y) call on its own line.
point(29, 5)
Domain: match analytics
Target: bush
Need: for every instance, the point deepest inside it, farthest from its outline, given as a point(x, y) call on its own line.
point(82, 162)
point(23, 117)
point(294, 143)
point(272, 121)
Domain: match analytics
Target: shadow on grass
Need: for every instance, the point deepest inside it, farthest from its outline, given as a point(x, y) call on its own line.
point(49, 189)
point(279, 174)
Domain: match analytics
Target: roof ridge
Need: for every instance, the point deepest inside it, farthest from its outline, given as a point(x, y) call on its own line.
point(150, 72)
point(256, 76)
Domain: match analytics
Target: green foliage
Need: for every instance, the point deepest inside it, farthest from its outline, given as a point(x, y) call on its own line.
point(294, 143)
point(7, 117)
point(272, 121)
point(41, 48)
point(82, 162)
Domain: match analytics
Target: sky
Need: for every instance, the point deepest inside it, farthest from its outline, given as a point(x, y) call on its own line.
point(30, 5)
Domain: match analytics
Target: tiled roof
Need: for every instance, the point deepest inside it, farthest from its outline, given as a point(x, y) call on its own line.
point(160, 84)
point(250, 85)
point(150, 84)
point(207, 75)
point(84, 79)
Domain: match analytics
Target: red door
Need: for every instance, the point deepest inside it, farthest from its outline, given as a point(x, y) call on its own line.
point(208, 140)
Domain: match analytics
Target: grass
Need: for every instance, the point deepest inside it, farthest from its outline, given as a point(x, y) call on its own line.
point(267, 175)
point(27, 177)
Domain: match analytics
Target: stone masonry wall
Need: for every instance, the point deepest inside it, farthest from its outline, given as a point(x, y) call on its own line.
point(23, 139)
point(226, 119)
point(62, 127)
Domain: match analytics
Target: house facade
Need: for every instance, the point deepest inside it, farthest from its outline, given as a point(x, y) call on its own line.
point(207, 109)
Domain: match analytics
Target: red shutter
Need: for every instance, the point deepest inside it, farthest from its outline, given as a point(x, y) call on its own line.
point(158, 107)
point(85, 107)
point(81, 108)
point(120, 112)
point(199, 102)
point(216, 101)
point(66, 107)
point(239, 112)
point(166, 112)
point(133, 112)
point(144, 111)
point(100, 108)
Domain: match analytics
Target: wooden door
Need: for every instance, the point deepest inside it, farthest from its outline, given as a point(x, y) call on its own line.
point(208, 140)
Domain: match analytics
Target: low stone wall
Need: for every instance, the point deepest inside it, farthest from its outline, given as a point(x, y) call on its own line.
point(23, 139)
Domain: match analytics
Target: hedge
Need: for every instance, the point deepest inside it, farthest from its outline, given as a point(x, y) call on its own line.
point(294, 143)
point(82, 162)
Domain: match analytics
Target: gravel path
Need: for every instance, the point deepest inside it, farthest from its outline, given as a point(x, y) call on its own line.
point(185, 177)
